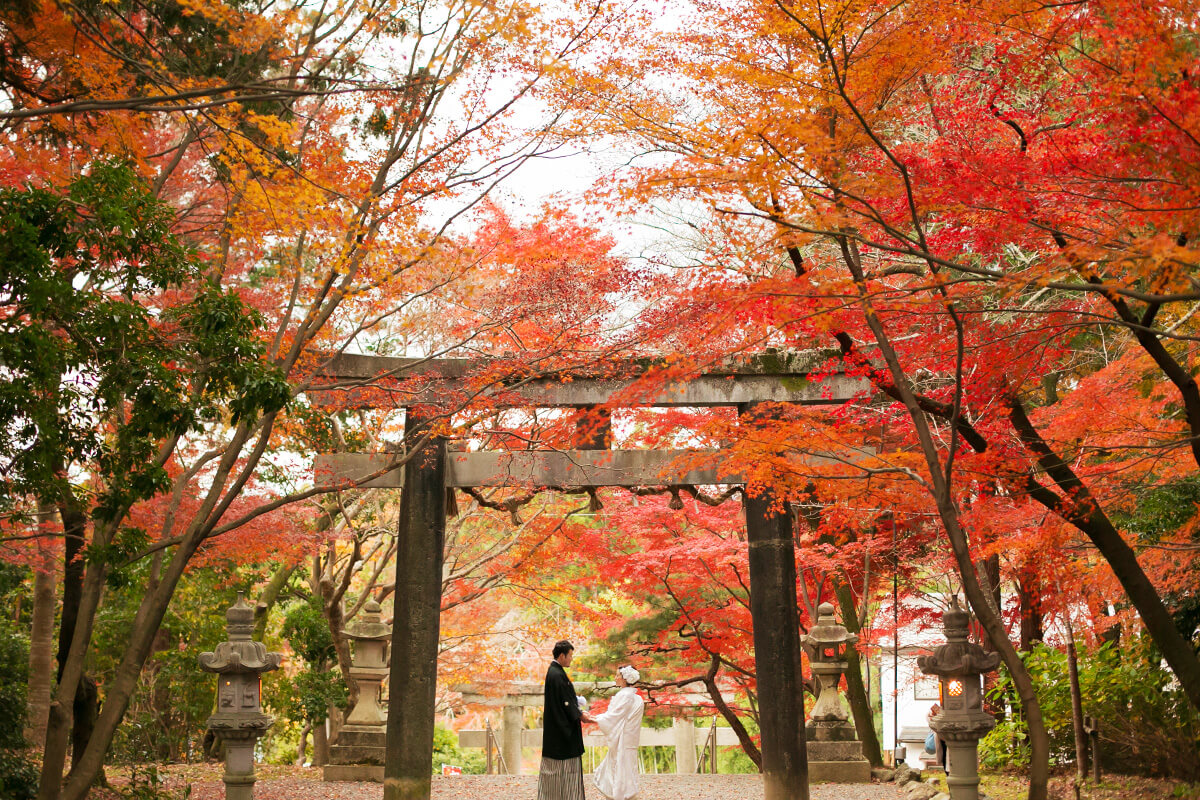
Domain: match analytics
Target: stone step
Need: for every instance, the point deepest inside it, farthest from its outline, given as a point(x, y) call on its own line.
point(357, 754)
point(835, 751)
point(353, 772)
point(839, 772)
point(375, 737)
point(823, 732)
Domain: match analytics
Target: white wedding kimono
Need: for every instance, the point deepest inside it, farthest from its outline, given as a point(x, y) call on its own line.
point(617, 775)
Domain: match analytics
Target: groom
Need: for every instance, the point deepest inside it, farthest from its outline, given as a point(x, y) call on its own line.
point(561, 774)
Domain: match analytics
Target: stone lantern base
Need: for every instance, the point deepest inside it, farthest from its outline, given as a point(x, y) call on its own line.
point(835, 754)
point(358, 755)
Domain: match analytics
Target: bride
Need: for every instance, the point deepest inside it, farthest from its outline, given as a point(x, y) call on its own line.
point(617, 775)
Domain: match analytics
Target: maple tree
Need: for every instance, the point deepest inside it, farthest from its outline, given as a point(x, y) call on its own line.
point(673, 564)
point(940, 190)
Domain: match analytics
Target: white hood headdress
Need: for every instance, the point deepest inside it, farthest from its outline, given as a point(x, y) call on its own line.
point(630, 674)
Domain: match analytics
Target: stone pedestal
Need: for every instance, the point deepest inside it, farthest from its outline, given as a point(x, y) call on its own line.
point(835, 754)
point(358, 755)
point(962, 768)
point(684, 731)
point(239, 774)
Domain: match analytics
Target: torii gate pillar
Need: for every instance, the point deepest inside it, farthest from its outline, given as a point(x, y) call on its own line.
point(412, 686)
point(773, 609)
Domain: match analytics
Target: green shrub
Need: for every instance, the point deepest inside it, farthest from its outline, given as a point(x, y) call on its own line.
point(308, 695)
point(734, 761)
point(1147, 726)
point(145, 783)
point(165, 718)
point(18, 775)
point(446, 751)
point(1005, 746)
point(282, 743)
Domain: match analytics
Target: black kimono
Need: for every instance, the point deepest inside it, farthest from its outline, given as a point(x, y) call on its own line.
point(561, 773)
point(562, 726)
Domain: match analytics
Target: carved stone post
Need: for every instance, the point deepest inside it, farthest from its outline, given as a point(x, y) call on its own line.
point(412, 681)
point(510, 737)
point(777, 649)
point(684, 731)
point(959, 665)
point(239, 720)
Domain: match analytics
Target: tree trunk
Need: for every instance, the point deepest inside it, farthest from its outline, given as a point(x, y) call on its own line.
point(335, 618)
point(320, 738)
point(856, 692)
point(81, 597)
point(41, 656)
point(989, 572)
point(1081, 744)
point(1031, 615)
point(335, 721)
point(739, 730)
point(85, 714)
point(939, 486)
point(412, 686)
point(124, 681)
point(268, 598)
point(1082, 511)
point(777, 649)
point(41, 641)
point(303, 746)
point(60, 722)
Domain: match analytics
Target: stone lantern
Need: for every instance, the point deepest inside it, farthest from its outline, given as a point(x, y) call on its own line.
point(834, 752)
point(960, 665)
point(361, 745)
point(827, 643)
point(239, 719)
point(369, 669)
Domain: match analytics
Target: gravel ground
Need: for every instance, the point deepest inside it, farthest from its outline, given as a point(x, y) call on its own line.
point(497, 787)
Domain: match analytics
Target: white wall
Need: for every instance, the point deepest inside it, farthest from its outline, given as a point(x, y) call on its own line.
point(912, 700)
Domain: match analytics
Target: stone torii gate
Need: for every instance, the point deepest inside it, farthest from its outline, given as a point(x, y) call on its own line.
point(513, 697)
point(425, 477)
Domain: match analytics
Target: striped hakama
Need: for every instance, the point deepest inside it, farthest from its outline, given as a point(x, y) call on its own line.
point(561, 779)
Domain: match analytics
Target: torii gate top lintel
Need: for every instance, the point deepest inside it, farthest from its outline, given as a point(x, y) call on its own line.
point(770, 376)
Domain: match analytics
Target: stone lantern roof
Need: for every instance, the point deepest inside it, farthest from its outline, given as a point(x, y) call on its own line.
point(828, 631)
point(370, 627)
point(240, 653)
point(958, 656)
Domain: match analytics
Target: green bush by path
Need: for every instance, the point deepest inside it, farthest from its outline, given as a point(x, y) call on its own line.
point(446, 751)
point(1147, 726)
point(174, 697)
point(18, 776)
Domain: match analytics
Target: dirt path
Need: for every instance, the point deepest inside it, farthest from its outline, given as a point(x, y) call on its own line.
point(496, 787)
